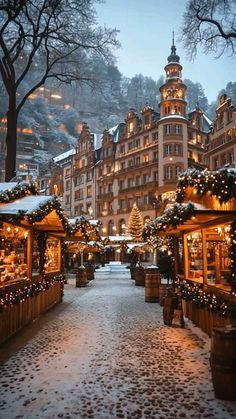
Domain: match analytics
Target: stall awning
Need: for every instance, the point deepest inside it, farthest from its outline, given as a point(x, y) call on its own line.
point(186, 217)
point(43, 212)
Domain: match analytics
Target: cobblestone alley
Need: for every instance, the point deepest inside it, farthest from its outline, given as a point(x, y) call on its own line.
point(105, 353)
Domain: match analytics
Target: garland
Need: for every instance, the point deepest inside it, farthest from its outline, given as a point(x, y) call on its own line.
point(89, 231)
point(45, 209)
point(19, 191)
point(171, 217)
point(232, 252)
point(31, 290)
point(221, 183)
point(203, 299)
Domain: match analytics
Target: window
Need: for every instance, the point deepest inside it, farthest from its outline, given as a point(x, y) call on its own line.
point(137, 180)
point(178, 170)
point(231, 157)
point(110, 228)
point(122, 203)
point(155, 156)
point(146, 158)
point(109, 169)
point(138, 201)
point(178, 149)
point(76, 180)
point(109, 187)
point(168, 172)
point(67, 200)
point(155, 176)
point(68, 172)
point(81, 179)
point(89, 191)
point(67, 185)
point(79, 194)
point(146, 120)
point(122, 165)
point(121, 184)
point(130, 182)
point(155, 136)
point(137, 161)
point(137, 143)
point(145, 178)
point(168, 149)
point(122, 149)
point(131, 127)
point(167, 129)
point(130, 163)
point(130, 145)
point(146, 141)
point(100, 172)
point(89, 176)
point(129, 203)
point(216, 163)
point(177, 129)
point(83, 162)
point(146, 199)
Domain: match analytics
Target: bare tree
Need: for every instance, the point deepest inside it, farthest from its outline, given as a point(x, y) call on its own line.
point(43, 39)
point(210, 24)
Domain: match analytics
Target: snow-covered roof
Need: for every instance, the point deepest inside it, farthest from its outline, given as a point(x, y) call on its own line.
point(7, 186)
point(116, 131)
point(64, 155)
point(97, 140)
point(172, 116)
point(208, 121)
point(119, 238)
point(28, 204)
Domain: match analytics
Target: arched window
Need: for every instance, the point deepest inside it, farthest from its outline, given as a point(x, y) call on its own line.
point(122, 227)
point(111, 231)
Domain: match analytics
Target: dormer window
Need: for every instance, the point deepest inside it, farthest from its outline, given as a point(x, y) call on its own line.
point(131, 127)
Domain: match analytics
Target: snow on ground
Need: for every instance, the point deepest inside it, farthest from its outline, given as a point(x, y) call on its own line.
point(104, 353)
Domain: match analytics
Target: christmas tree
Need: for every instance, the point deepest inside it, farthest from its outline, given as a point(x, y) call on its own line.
point(135, 224)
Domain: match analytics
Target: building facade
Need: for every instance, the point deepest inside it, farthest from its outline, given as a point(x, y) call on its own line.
point(138, 161)
point(221, 144)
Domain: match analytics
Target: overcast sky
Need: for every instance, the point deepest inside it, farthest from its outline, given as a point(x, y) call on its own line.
point(146, 37)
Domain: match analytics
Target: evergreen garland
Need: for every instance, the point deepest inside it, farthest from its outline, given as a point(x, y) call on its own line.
point(232, 253)
point(203, 299)
point(171, 217)
point(31, 290)
point(220, 183)
point(19, 191)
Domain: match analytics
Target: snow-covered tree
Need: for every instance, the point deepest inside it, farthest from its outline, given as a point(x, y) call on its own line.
point(135, 224)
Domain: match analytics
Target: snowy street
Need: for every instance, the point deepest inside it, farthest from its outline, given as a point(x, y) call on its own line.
point(104, 353)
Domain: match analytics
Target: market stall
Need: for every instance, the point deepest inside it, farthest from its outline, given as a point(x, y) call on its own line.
point(203, 227)
point(31, 228)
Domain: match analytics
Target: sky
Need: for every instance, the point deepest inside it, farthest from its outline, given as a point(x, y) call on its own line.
point(146, 37)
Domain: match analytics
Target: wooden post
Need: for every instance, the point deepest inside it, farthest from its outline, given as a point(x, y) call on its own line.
point(204, 256)
point(186, 264)
point(30, 242)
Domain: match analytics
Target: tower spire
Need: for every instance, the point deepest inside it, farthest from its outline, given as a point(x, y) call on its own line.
point(173, 57)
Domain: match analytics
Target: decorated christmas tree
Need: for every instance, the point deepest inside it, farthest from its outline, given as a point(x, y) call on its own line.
point(135, 224)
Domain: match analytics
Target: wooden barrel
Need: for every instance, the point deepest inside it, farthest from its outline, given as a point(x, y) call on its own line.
point(90, 272)
point(168, 311)
point(139, 276)
point(223, 362)
point(81, 277)
point(152, 283)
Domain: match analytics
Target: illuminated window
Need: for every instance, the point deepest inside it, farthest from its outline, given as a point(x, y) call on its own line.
point(146, 158)
point(89, 191)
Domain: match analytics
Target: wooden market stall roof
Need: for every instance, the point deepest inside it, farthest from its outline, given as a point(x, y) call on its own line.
point(21, 203)
point(42, 212)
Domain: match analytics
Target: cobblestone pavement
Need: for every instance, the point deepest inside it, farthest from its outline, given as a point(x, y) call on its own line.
point(105, 353)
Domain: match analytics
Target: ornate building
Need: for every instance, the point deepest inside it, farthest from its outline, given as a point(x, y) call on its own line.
point(138, 161)
point(221, 145)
